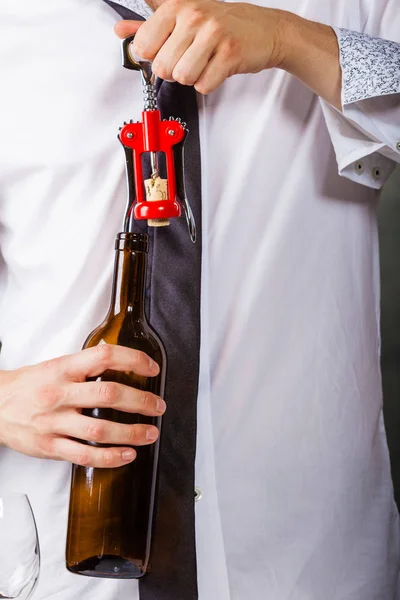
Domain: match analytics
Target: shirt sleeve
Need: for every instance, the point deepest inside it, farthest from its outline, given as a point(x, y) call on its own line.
point(366, 134)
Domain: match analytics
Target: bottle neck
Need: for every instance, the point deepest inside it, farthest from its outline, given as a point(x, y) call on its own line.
point(129, 283)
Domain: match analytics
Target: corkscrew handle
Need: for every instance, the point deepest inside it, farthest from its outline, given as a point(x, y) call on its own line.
point(130, 61)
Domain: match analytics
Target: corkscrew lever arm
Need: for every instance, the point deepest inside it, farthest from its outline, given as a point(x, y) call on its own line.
point(127, 225)
point(180, 187)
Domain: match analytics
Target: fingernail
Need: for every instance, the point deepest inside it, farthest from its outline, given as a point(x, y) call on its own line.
point(153, 366)
point(128, 455)
point(161, 406)
point(151, 434)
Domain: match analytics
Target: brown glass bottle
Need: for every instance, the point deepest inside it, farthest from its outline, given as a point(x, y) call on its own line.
point(111, 510)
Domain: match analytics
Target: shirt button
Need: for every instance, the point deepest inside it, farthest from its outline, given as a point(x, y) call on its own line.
point(359, 167)
point(376, 173)
point(398, 146)
point(197, 494)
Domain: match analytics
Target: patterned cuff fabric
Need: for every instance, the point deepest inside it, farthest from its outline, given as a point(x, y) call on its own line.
point(138, 6)
point(370, 66)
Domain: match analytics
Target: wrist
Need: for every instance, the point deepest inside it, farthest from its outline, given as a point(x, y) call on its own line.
point(310, 51)
point(280, 22)
point(296, 35)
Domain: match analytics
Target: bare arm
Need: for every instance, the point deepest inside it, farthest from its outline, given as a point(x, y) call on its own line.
point(310, 52)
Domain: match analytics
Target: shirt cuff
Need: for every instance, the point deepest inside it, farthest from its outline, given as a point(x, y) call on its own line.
point(370, 66)
point(366, 134)
point(361, 159)
point(372, 171)
point(137, 6)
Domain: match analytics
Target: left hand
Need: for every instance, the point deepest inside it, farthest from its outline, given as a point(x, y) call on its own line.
point(203, 42)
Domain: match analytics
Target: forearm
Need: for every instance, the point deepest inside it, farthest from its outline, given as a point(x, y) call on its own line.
point(310, 52)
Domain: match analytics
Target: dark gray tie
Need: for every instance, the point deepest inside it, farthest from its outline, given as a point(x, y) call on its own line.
point(174, 311)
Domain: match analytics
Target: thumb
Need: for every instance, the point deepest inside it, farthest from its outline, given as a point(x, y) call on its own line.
point(125, 28)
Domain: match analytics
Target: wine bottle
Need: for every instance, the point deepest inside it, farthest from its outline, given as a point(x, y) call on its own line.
point(111, 510)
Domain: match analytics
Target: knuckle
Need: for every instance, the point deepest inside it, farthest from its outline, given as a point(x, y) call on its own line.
point(134, 435)
point(144, 51)
point(203, 88)
point(50, 365)
point(45, 444)
point(182, 77)
point(108, 458)
point(94, 432)
point(104, 353)
point(162, 71)
point(142, 46)
point(195, 17)
point(146, 400)
point(47, 365)
point(230, 49)
point(82, 458)
point(48, 396)
point(214, 27)
point(138, 357)
point(108, 392)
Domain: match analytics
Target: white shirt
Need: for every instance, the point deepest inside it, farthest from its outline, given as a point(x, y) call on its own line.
point(292, 461)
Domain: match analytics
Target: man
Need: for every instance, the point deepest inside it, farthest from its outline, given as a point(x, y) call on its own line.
point(292, 469)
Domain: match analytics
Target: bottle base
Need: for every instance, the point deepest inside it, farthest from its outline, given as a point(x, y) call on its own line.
point(109, 567)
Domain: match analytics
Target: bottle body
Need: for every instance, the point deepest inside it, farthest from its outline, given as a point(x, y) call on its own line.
point(111, 510)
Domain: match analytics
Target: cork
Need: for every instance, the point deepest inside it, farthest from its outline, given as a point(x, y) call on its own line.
point(156, 189)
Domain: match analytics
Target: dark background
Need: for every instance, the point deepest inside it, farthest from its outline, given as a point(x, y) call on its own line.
point(389, 229)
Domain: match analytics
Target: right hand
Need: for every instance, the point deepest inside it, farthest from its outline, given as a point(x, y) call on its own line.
point(40, 407)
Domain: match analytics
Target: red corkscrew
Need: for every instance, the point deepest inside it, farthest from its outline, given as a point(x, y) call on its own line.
point(157, 199)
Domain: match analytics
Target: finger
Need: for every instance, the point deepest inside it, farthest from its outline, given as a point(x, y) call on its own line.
point(90, 456)
point(104, 432)
point(126, 28)
point(171, 52)
point(195, 60)
point(107, 394)
point(153, 34)
point(94, 361)
point(213, 75)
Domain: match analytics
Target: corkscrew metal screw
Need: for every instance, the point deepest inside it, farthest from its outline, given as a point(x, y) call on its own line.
point(164, 197)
